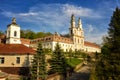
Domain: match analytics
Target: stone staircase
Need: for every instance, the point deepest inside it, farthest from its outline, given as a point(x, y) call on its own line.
point(13, 77)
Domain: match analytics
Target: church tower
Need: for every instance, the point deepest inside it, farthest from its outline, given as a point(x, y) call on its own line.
point(13, 33)
point(72, 21)
point(72, 29)
point(79, 24)
point(77, 34)
point(80, 34)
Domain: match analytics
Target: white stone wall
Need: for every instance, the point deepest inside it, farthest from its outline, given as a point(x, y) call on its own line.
point(64, 46)
point(91, 49)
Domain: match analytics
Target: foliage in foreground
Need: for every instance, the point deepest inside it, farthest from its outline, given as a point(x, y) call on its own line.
point(108, 64)
point(38, 68)
point(58, 62)
point(73, 62)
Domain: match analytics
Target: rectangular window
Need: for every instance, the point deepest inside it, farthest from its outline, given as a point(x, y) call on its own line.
point(1, 60)
point(18, 60)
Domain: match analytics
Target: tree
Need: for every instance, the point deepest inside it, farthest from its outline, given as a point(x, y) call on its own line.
point(70, 54)
point(38, 68)
point(58, 62)
point(108, 66)
point(48, 34)
point(29, 34)
point(1, 33)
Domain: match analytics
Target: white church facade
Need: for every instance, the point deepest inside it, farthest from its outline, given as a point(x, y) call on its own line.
point(74, 42)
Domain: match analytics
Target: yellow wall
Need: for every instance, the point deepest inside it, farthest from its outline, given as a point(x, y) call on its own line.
point(9, 60)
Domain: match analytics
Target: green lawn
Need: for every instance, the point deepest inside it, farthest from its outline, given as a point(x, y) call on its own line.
point(73, 62)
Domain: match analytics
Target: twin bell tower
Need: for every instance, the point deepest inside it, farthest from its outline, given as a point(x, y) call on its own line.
point(76, 33)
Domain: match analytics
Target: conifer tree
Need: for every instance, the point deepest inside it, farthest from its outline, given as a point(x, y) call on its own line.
point(108, 66)
point(58, 62)
point(70, 54)
point(38, 68)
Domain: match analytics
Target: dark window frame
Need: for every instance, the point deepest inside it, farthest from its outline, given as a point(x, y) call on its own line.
point(15, 33)
point(18, 60)
point(2, 60)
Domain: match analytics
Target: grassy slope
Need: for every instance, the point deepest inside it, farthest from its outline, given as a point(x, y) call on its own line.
point(73, 62)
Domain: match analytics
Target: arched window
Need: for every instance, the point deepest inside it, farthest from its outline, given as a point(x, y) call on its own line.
point(15, 33)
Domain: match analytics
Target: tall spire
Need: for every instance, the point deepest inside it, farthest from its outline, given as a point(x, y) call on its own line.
point(72, 17)
point(72, 20)
point(79, 23)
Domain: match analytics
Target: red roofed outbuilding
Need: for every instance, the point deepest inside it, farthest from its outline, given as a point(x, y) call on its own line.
point(14, 57)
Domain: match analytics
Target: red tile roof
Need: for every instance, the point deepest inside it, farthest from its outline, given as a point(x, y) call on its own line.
point(6, 49)
point(25, 41)
point(91, 44)
point(52, 38)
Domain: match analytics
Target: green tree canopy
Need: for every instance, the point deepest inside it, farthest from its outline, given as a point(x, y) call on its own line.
point(38, 68)
point(29, 34)
point(1, 33)
point(58, 62)
point(114, 32)
point(108, 66)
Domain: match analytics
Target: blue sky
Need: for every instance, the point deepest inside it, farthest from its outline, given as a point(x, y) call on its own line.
point(54, 15)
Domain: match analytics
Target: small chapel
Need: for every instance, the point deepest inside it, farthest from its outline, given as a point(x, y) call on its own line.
point(14, 56)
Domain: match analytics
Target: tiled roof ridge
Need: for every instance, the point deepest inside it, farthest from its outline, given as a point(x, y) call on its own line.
point(87, 43)
point(15, 49)
point(53, 38)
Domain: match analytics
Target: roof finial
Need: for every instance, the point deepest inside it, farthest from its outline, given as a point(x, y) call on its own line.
point(14, 20)
point(72, 17)
point(79, 21)
point(72, 20)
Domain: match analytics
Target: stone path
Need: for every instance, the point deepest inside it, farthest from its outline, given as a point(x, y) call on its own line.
point(81, 74)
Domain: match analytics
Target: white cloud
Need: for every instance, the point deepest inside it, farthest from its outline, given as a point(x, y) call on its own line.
point(80, 11)
point(90, 28)
point(28, 14)
point(56, 11)
point(8, 14)
point(95, 37)
point(93, 34)
point(54, 15)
